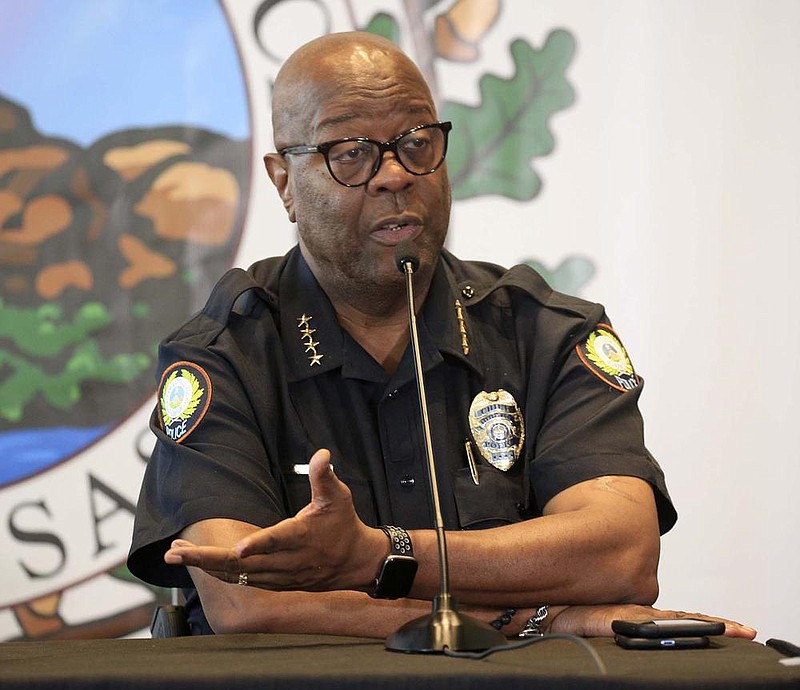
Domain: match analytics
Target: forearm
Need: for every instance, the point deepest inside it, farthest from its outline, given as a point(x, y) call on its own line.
point(232, 608)
point(550, 559)
point(603, 552)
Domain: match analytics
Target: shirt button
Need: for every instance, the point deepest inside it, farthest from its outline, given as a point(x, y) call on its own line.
point(394, 393)
point(407, 481)
point(467, 291)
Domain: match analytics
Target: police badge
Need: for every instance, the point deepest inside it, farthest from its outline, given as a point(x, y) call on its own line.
point(497, 428)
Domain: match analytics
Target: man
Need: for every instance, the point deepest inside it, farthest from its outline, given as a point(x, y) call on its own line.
point(549, 495)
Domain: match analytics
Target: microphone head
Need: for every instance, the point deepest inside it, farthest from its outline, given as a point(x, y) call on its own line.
point(406, 252)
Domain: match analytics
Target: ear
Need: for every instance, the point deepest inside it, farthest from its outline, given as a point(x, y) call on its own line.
point(278, 171)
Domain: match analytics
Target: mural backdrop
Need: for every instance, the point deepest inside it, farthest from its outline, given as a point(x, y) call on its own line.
point(130, 180)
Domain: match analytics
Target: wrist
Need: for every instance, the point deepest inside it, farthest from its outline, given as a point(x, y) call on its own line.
point(548, 625)
point(395, 576)
point(374, 550)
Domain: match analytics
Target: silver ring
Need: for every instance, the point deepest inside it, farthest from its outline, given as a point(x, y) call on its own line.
point(242, 579)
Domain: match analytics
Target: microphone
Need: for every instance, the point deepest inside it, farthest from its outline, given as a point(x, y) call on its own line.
point(444, 628)
point(406, 253)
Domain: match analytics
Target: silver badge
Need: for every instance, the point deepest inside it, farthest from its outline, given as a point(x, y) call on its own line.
point(497, 428)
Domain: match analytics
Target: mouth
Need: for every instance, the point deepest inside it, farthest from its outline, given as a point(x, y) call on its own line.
point(395, 231)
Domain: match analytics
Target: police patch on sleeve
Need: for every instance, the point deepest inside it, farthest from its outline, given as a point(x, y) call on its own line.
point(183, 399)
point(604, 355)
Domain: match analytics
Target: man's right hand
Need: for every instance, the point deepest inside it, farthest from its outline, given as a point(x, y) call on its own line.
point(324, 547)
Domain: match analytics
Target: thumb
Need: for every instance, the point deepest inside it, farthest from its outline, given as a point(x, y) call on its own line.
point(324, 483)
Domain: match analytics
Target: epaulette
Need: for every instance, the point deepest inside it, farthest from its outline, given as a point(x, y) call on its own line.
point(477, 280)
point(236, 292)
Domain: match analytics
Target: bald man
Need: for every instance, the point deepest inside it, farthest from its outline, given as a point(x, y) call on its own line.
point(301, 365)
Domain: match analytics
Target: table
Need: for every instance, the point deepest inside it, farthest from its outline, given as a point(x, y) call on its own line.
point(318, 662)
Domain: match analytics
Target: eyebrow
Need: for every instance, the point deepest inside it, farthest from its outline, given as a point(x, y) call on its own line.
point(347, 117)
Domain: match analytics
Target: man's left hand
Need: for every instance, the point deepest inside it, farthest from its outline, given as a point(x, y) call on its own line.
point(595, 621)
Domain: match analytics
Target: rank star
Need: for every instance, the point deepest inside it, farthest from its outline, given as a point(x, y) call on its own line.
point(315, 359)
point(303, 320)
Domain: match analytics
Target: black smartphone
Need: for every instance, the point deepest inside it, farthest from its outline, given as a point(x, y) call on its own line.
point(668, 628)
point(661, 642)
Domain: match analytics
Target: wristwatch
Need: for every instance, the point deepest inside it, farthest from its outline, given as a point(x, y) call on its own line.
point(396, 574)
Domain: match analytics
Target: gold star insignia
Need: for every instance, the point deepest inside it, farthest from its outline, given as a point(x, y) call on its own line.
point(315, 359)
point(303, 320)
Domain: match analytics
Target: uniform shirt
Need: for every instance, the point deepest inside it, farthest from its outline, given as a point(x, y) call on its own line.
point(274, 378)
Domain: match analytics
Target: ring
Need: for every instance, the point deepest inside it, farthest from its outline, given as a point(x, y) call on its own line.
point(242, 579)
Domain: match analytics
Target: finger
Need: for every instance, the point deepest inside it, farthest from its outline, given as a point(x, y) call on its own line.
point(283, 536)
point(181, 542)
point(208, 558)
point(732, 628)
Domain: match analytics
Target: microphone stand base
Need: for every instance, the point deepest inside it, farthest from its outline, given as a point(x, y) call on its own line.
point(444, 628)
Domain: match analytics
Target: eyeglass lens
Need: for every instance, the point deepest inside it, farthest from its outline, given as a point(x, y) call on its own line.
point(355, 162)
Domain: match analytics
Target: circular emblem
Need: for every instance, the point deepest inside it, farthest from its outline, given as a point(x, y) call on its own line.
point(497, 427)
point(183, 398)
point(605, 356)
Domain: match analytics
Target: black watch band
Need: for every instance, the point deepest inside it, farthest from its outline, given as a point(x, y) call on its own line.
point(396, 574)
point(399, 541)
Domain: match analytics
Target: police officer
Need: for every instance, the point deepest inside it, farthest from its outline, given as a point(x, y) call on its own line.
point(289, 470)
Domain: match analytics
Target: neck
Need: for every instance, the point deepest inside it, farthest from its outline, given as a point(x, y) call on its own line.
point(385, 337)
point(375, 315)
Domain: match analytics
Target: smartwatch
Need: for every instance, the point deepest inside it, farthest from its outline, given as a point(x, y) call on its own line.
point(396, 574)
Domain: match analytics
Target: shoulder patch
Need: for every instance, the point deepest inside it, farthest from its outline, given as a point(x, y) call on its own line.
point(604, 355)
point(184, 395)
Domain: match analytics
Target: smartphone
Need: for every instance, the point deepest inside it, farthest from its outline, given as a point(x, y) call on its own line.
point(661, 642)
point(668, 628)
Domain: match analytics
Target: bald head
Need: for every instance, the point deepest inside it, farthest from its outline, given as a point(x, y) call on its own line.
point(357, 61)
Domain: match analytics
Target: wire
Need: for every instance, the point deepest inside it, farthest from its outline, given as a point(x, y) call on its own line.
point(601, 667)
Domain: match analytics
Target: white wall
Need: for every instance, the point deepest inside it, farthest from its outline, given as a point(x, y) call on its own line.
point(678, 170)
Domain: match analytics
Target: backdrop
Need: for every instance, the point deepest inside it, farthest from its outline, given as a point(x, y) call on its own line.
point(639, 153)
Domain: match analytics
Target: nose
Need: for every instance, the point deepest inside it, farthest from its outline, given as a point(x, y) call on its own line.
point(390, 176)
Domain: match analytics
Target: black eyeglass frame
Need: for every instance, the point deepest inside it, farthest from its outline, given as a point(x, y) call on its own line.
point(383, 147)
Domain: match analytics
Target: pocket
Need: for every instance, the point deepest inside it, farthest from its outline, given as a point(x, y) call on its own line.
point(298, 491)
point(298, 495)
point(363, 499)
point(499, 499)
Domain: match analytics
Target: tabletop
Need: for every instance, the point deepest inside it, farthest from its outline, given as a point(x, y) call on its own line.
point(326, 662)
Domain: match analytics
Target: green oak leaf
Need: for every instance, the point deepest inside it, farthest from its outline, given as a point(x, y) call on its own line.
point(385, 25)
point(569, 276)
point(492, 144)
point(22, 379)
point(44, 332)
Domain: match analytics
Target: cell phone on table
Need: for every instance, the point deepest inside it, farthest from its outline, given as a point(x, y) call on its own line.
point(668, 628)
point(661, 642)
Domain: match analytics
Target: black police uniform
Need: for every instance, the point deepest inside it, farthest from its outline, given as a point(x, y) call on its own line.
point(278, 378)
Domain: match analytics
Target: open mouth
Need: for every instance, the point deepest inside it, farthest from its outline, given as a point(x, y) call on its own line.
point(392, 233)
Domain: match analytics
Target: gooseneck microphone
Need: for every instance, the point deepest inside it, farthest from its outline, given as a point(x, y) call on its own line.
point(444, 628)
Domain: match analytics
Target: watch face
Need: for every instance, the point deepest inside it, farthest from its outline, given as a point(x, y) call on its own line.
point(396, 577)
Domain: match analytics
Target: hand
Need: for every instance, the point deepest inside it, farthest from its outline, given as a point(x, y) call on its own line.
point(595, 621)
point(324, 547)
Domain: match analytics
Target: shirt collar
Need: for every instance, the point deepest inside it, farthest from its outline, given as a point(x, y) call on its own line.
point(314, 342)
point(445, 322)
point(311, 336)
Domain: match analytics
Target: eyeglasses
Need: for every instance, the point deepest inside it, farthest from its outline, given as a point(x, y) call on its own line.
point(354, 161)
